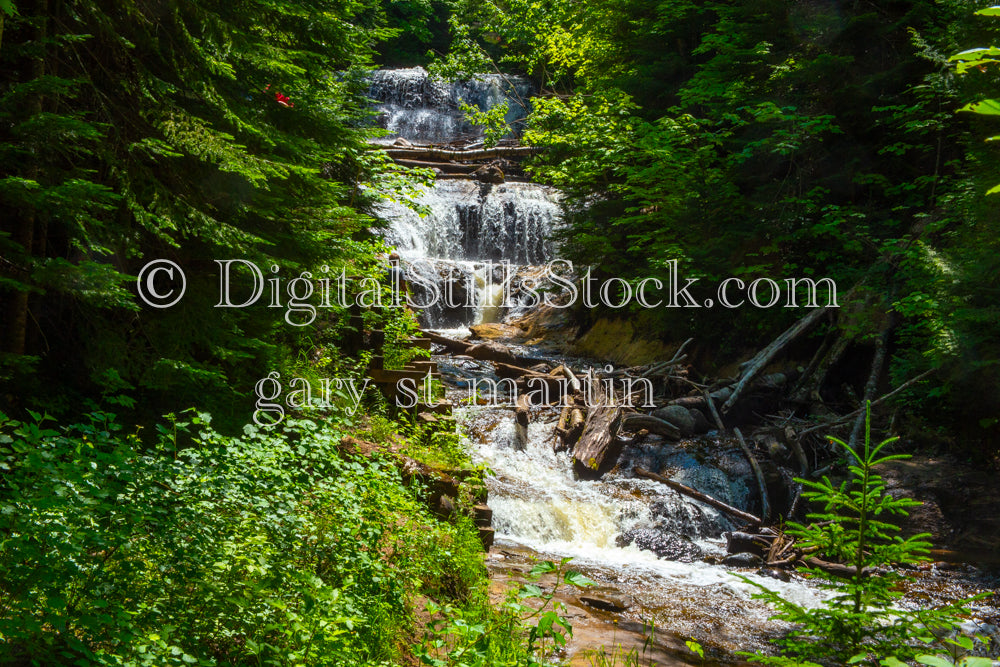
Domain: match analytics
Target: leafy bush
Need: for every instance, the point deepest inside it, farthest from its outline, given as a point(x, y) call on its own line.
point(460, 639)
point(271, 548)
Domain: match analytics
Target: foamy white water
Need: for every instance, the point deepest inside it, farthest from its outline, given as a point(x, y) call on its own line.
point(538, 503)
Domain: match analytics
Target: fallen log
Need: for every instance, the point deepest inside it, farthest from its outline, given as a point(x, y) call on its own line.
point(715, 413)
point(563, 421)
point(512, 371)
point(577, 420)
point(761, 484)
point(638, 422)
point(837, 569)
point(598, 447)
point(461, 155)
point(700, 402)
point(701, 497)
point(449, 344)
point(749, 543)
point(678, 357)
point(488, 351)
point(574, 383)
point(447, 167)
point(764, 357)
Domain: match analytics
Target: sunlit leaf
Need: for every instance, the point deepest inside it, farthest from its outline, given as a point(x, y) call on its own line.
point(984, 107)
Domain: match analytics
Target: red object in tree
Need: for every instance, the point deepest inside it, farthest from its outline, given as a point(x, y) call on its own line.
point(283, 100)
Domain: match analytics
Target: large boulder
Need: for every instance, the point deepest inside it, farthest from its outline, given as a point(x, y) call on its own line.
point(665, 545)
point(701, 423)
point(680, 417)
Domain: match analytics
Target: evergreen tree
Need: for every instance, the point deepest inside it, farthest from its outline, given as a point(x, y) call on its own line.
point(186, 130)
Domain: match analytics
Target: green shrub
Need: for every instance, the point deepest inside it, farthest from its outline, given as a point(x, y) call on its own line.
point(859, 622)
point(272, 548)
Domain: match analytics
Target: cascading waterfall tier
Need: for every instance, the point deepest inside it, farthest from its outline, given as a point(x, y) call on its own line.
point(477, 222)
point(415, 106)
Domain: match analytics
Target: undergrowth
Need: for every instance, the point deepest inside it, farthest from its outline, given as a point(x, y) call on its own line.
point(274, 547)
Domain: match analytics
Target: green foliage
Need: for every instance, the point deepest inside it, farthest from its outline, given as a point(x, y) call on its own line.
point(859, 622)
point(980, 58)
point(267, 548)
point(493, 121)
point(770, 139)
point(454, 641)
point(193, 131)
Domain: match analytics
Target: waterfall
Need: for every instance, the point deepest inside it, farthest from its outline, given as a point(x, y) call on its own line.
point(477, 222)
point(415, 106)
point(659, 548)
point(468, 225)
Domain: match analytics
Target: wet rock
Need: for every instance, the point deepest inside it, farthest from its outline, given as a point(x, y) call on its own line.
point(774, 573)
point(701, 423)
point(673, 514)
point(749, 561)
point(744, 543)
point(709, 480)
point(665, 545)
point(612, 603)
point(679, 416)
point(445, 507)
point(489, 173)
point(496, 331)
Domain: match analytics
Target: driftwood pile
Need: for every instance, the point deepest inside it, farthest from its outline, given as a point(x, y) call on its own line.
point(486, 165)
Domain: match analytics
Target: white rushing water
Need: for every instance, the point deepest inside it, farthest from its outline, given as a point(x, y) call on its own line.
point(416, 107)
point(463, 225)
point(469, 230)
point(477, 222)
point(537, 502)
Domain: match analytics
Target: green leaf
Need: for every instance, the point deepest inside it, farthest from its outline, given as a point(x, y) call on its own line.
point(990, 11)
point(893, 662)
point(578, 580)
point(530, 591)
point(984, 107)
point(976, 662)
point(544, 567)
point(975, 54)
point(934, 661)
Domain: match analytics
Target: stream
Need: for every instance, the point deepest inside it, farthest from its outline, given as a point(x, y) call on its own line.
point(656, 555)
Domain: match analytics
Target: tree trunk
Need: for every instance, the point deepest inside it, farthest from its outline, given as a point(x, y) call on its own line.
point(652, 424)
point(765, 356)
point(24, 235)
